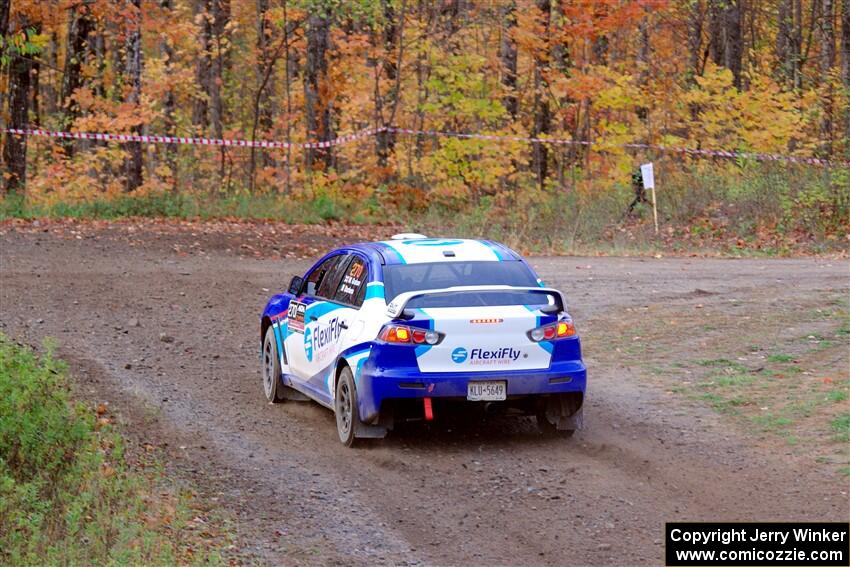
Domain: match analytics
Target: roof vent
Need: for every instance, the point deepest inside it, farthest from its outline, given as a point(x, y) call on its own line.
point(408, 236)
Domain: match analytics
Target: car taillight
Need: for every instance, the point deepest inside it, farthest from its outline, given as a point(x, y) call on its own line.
point(414, 335)
point(557, 330)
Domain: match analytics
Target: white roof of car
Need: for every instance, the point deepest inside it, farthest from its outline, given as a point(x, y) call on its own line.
point(417, 249)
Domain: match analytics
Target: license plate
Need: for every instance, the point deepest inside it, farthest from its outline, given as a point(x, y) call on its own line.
point(486, 391)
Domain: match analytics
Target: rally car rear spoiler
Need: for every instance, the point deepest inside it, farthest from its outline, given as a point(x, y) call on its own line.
point(397, 306)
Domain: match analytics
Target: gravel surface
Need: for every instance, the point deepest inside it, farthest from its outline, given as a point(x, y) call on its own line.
point(164, 326)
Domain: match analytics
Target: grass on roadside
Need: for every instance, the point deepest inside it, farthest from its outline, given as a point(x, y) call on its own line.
point(775, 389)
point(841, 426)
point(178, 206)
point(787, 387)
point(67, 494)
point(778, 397)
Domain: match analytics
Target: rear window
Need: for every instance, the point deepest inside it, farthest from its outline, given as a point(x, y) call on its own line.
point(400, 278)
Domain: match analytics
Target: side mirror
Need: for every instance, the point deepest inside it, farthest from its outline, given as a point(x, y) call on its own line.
point(295, 284)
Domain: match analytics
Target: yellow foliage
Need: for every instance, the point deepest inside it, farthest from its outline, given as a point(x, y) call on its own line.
point(763, 118)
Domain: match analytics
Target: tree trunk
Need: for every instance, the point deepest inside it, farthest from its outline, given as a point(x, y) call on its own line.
point(5, 9)
point(845, 43)
point(392, 36)
point(265, 65)
point(425, 13)
point(15, 150)
point(203, 77)
point(733, 35)
point(827, 62)
point(508, 56)
point(287, 86)
point(600, 46)
point(316, 95)
point(845, 62)
point(169, 104)
point(80, 26)
point(695, 27)
point(221, 17)
point(643, 63)
point(726, 42)
point(797, 45)
point(600, 50)
point(98, 50)
point(715, 31)
point(562, 63)
point(49, 94)
point(133, 71)
point(827, 36)
point(788, 43)
point(453, 13)
point(696, 53)
point(35, 87)
point(542, 118)
point(208, 109)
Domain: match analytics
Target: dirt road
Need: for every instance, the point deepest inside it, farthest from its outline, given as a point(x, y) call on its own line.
point(164, 326)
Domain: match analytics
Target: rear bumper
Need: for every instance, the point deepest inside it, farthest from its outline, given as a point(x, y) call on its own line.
point(378, 385)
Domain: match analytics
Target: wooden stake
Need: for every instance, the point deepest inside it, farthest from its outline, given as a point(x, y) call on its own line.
point(654, 211)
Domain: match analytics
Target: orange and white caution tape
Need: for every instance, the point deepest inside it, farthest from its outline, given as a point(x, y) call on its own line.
point(369, 132)
point(145, 138)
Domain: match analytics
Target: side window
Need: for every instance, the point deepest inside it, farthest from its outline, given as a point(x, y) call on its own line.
point(358, 301)
point(318, 276)
point(331, 280)
point(352, 283)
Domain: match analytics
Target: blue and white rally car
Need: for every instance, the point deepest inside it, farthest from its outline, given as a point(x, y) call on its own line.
point(392, 330)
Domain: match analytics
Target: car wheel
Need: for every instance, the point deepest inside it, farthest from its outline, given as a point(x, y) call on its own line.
point(271, 369)
point(345, 407)
point(550, 429)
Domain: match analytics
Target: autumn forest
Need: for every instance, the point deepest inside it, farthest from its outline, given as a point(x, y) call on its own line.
point(615, 82)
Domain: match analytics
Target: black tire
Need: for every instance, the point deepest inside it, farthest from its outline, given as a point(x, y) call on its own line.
point(345, 407)
point(272, 386)
point(548, 428)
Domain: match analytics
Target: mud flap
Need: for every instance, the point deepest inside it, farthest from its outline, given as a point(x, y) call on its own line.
point(379, 427)
point(565, 411)
point(571, 422)
point(365, 431)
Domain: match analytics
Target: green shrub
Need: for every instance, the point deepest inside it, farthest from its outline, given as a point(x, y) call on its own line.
point(66, 495)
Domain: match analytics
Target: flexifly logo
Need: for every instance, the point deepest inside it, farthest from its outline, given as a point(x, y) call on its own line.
point(505, 355)
point(316, 343)
point(459, 355)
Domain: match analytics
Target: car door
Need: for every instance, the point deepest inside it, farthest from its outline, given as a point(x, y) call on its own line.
point(330, 322)
point(348, 298)
point(305, 312)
